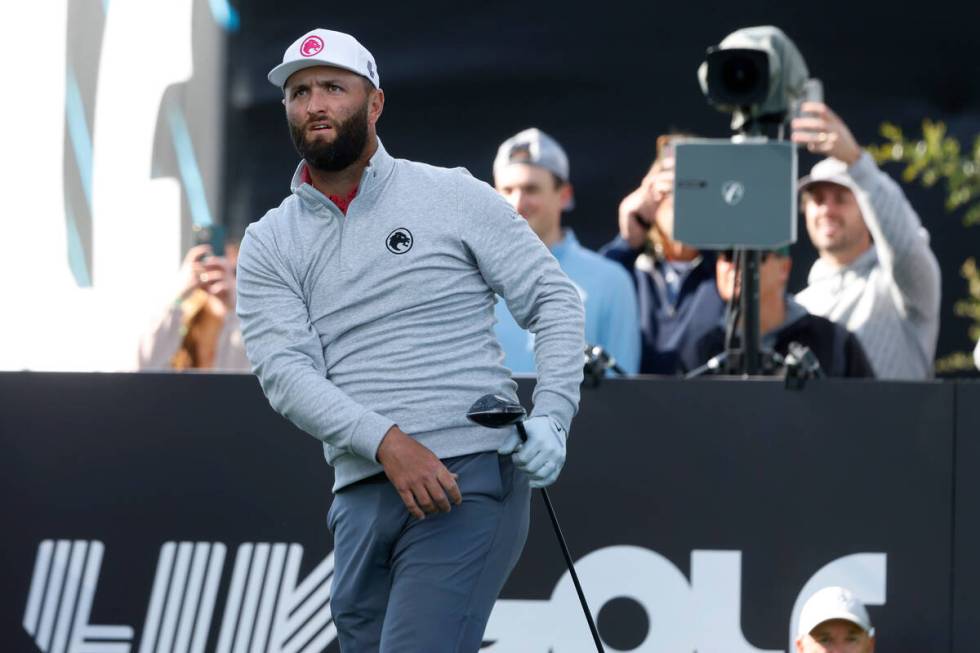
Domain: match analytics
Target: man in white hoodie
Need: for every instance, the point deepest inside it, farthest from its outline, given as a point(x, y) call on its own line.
point(876, 274)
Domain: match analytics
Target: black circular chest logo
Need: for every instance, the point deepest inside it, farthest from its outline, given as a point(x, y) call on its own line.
point(399, 241)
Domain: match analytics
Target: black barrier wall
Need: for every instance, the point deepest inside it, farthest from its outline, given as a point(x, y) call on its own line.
point(966, 541)
point(158, 512)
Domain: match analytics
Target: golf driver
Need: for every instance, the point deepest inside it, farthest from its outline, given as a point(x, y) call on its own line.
point(496, 412)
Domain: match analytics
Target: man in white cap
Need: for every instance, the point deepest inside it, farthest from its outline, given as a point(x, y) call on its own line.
point(876, 274)
point(835, 621)
point(531, 171)
point(366, 301)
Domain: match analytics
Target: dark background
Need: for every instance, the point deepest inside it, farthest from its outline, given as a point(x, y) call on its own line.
point(605, 79)
point(139, 460)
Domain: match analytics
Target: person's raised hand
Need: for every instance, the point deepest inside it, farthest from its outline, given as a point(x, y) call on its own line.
point(421, 480)
point(192, 269)
point(218, 278)
point(823, 132)
point(636, 212)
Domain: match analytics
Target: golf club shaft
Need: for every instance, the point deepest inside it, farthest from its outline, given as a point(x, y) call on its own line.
point(568, 556)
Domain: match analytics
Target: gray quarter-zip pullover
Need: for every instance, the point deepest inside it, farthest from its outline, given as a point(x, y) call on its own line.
point(385, 316)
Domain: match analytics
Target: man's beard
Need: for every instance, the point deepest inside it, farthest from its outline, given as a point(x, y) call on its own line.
point(346, 148)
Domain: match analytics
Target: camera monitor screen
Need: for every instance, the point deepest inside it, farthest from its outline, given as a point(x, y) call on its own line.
point(735, 194)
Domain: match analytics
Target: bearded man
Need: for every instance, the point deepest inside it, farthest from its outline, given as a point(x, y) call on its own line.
point(367, 306)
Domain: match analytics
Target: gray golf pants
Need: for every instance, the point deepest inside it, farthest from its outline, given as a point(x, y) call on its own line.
point(425, 586)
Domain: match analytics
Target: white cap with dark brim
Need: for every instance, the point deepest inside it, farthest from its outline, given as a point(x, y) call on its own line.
point(324, 47)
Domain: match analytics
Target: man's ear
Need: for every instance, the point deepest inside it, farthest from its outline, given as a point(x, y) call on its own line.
point(376, 104)
point(799, 644)
point(567, 194)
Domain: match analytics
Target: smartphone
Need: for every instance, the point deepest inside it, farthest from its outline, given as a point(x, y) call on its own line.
point(812, 92)
point(213, 235)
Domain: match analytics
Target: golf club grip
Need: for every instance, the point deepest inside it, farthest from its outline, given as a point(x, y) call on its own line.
point(521, 431)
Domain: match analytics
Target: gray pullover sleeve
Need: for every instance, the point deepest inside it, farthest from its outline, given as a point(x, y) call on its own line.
point(287, 356)
point(518, 267)
point(901, 242)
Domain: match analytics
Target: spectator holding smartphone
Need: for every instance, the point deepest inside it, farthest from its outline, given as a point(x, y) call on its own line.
point(198, 329)
point(876, 274)
point(675, 283)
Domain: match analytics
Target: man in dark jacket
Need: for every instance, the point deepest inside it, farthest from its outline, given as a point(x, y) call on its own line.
point(782, 321)
point(675, 283)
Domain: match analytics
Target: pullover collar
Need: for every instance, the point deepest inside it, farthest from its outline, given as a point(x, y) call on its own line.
point(861, 266)
point(374, 176)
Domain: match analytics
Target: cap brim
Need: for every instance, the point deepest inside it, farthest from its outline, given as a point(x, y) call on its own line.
point(281, 73)
point(838, 180)
point(843, 615)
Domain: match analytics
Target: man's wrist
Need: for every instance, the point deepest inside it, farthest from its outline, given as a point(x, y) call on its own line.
point(388, 440)
point(370, 430)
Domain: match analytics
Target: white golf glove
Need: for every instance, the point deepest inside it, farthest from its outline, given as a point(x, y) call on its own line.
point(543, 455)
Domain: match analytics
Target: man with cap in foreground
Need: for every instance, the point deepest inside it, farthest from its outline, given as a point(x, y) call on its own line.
point(782, 321)
point(876, 274)
point(835, 621)
point(366, 301)
point(531, 172)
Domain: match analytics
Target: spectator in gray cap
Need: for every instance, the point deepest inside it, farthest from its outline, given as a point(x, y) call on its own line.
point(531, 172)
point(835, 621)
point(876, 274)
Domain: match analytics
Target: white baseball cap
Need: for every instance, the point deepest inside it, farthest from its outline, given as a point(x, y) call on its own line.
point(324, 47)
point(832, 171)
point(833, 603)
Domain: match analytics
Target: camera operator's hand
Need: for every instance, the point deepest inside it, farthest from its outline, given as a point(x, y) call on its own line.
point(823, 132)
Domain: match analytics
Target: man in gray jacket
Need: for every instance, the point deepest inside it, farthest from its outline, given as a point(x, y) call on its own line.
point(367, 306)
point(876, 274)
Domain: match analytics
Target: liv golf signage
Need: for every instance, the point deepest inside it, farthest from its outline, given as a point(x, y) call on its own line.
point(269, 608)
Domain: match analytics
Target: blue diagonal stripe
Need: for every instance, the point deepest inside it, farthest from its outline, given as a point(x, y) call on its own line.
point(190, 173)
point(76, 253)
point(78, 132)
point(224, 14)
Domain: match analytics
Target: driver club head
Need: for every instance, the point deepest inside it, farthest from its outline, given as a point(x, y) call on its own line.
point(494, 411)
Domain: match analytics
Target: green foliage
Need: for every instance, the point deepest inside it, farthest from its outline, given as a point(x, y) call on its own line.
point(932, 157)
point(929, 158)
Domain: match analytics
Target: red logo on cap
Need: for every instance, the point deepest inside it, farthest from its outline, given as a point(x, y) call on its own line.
point(311, 46)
